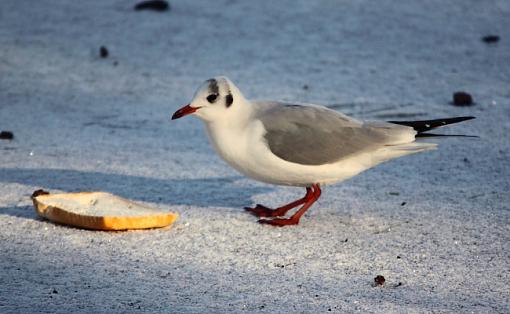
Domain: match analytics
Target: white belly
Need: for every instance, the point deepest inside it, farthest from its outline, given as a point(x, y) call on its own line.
point(247, 152)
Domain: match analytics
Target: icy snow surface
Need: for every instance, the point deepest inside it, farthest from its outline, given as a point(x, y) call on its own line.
point(436, 225)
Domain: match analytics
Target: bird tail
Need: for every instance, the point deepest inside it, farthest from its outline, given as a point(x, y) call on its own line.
point(422, 126)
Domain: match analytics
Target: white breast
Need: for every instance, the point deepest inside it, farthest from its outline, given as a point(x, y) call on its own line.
point(237, 145)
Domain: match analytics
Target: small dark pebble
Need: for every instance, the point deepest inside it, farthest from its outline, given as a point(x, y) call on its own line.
point(39, 192)
point(398, 284)
point(462, 99)
point(134, 303)
point(346, 240)
point(490, 39)
point(6, 135)
point(103, 52)
point(316, 295)
point(379, 280)
point(329, 310)
point(403, 204)
point(262, 306)
point(306, 87)
point(54, 291)
point(155, 5)
point(398, 257)
point(466, 160)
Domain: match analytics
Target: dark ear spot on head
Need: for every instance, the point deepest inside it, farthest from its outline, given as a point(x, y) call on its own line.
point(229, 100)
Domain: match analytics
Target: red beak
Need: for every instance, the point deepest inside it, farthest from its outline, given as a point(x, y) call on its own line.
point(186, 110)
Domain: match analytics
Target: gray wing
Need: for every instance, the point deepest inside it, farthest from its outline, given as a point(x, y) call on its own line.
point(314, 135)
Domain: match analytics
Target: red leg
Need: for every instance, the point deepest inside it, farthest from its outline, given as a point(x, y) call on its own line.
point(294, 219)
point(263, 211)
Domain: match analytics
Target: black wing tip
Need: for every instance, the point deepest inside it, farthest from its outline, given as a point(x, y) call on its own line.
point(460, 119)
point(447, 120)
point(425, 125)
point(422, 135)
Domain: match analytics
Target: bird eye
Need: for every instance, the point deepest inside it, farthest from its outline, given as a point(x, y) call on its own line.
point(211, 98)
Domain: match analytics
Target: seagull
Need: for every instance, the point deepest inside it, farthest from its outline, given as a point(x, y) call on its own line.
point(300, 145)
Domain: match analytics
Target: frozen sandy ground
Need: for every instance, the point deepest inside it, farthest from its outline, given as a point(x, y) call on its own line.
point(84, 123)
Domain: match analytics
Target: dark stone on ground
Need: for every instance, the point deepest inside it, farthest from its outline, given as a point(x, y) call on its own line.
point(462, 99)
point(103, 52)
point(154, 5)
point(490, 39)
point(6, 135)
point(379, 280)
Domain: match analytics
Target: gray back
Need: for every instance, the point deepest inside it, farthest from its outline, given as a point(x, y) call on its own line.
point(313, 135)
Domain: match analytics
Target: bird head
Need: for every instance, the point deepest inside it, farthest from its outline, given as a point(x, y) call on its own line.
point(213, 100)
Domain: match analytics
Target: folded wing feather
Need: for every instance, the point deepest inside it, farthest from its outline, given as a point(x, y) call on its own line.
point(313, 135)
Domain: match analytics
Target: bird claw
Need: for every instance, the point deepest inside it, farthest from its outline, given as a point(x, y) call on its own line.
point(279, 222)
point(263, 211)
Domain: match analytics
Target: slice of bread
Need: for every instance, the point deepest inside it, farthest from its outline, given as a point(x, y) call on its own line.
point(99, 211)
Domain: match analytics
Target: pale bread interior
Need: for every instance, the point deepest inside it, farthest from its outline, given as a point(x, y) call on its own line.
point(97, 204)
